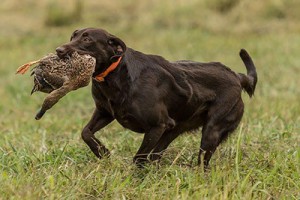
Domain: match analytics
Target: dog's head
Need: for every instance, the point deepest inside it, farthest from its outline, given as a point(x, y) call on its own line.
point(106, 48)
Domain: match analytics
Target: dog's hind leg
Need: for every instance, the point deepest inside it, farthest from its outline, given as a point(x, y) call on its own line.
point(164, 142)
point(150, 140)
point(217, 128)
point(99, 120)
point(211, 138)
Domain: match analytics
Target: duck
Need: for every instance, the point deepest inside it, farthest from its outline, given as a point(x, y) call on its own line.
point(58, 76)
point(46, 77)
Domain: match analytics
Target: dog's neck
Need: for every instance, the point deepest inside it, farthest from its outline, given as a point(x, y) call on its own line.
point(100, 77)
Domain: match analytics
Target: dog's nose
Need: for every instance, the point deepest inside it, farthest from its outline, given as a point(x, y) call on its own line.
point(61, 51)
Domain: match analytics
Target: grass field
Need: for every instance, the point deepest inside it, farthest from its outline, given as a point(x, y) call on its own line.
point(47, 159)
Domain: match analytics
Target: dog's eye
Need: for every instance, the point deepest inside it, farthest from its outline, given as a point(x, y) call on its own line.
point(86, 39)
point(110, 42)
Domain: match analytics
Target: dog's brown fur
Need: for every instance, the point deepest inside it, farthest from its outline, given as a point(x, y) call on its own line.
point(162, 99)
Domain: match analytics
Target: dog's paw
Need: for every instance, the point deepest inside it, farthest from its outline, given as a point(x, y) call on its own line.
point(140, 161)
point(103, 152)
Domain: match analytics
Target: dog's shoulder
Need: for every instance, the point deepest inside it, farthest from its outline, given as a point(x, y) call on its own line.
point(138, 63)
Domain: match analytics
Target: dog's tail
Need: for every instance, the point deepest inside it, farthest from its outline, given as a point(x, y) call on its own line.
point(248, 81)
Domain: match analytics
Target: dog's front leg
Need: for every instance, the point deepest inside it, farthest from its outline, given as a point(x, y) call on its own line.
point(150, 139)
point(99, 120)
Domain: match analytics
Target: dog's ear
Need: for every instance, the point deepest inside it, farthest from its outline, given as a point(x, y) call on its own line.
point(118, 47)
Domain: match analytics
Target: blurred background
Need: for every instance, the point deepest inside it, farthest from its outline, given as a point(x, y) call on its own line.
point(200, 30)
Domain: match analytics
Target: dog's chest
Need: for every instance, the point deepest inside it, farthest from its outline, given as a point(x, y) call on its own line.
point(125, 116)
point(116, 102)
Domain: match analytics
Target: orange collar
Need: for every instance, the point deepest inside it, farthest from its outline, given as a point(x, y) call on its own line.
point(112, 67)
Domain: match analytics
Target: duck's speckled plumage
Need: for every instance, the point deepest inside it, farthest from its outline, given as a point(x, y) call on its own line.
point(60, 76)
point(52, 72)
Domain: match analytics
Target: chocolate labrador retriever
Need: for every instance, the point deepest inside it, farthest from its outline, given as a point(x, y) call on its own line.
point(162, 99)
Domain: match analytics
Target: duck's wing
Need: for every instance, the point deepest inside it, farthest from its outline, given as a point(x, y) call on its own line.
point(45, 81)
point(54, 80)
